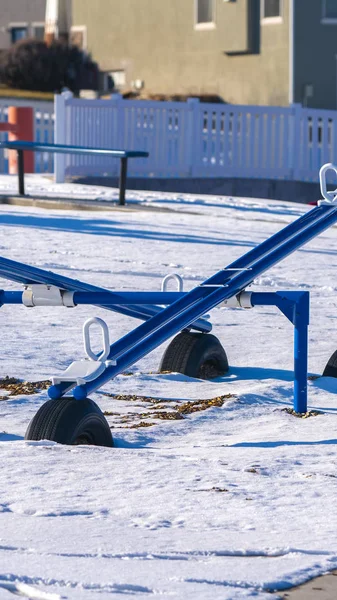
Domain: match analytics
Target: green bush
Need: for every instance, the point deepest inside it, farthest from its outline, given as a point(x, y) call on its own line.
point(31, 64)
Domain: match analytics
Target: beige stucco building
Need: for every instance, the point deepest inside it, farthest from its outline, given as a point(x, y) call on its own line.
point(20, 19)
point(246, 51)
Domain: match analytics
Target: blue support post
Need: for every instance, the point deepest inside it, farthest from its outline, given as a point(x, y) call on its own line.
point(295, 306)
point(301, 322)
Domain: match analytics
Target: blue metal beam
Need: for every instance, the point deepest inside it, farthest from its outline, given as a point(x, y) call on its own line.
point(186, 310)
point(10, 297)
point(66, 149)
point(278, 240)
point(227, 283)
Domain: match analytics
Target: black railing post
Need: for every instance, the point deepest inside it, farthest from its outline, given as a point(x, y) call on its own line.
point(21, 172)
point(122, 180)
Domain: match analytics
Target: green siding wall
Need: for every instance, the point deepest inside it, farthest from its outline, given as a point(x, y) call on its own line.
point(315, 56)
point(156, 41)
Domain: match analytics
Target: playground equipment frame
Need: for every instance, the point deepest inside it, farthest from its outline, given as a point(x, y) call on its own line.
point(165, 314)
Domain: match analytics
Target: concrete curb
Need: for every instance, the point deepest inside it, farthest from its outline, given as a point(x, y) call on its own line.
point(78, 204)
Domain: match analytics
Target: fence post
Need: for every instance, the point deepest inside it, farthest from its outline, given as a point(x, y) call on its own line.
point(60, 133)
point(22, 120)
point(118, 134)
point(295, 142)
point(193, 136)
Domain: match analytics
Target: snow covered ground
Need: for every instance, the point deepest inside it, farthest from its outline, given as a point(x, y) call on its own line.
point(229, 502)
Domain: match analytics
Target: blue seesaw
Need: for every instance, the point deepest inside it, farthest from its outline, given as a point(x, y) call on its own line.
point(70, 417)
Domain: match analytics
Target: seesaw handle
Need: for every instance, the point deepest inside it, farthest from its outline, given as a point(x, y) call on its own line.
point(330, 197)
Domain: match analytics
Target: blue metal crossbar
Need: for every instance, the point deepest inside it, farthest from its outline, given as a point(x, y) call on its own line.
point(28, 275)
point(123, 155)
point(106, 299)
point(185, 310)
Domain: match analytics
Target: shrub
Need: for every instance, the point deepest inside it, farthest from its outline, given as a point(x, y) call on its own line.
point(33, 65)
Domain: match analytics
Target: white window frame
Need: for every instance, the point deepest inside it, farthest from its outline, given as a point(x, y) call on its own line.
point(115, 74)
point(83, 29)
point(209, 24)
point(271, 20)
point(327, 20)
point(17, 25)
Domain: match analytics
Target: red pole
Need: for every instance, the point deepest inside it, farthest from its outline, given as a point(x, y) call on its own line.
point(21, 126)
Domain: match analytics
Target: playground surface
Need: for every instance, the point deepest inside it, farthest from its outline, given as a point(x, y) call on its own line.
point(214, 491)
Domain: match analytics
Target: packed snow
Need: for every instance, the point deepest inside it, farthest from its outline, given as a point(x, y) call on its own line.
point(228, 503)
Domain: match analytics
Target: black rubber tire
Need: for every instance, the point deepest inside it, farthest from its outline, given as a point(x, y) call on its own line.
point(331, 366)
point(197, 355)
point(72, 422)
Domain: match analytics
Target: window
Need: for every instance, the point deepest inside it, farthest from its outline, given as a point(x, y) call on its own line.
point(205, 14)
point(271, 10)
point(118, 78)
point(78, 36)
point(17, 33)
point(329, 11)
point(38, 31)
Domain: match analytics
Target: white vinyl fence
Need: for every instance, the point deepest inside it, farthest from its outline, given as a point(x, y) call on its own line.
point(43, 131)
point(193, 139)
point(184, 139)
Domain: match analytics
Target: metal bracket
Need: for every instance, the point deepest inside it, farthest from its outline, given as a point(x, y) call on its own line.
point(241, 300)
point(46, 295)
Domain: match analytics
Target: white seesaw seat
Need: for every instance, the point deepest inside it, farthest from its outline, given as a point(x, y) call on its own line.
point(82, 371)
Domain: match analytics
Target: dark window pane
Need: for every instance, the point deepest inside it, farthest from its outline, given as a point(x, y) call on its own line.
point(272, 8)
point(77, 38)
point(17, 33)
point(38, 32)
point(331, 9)
point(205, 11)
